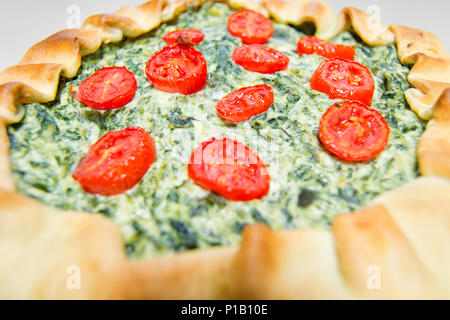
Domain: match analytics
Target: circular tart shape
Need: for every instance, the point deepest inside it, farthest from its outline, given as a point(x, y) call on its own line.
point(244, 103)
point(230, 169)
point(259, 58)
point(188, 36)
point(116, 162)
point(326, 49)
point(344, 79)
point(353, 132)
point(108, 88)
point(177, 68)
point(250, 26)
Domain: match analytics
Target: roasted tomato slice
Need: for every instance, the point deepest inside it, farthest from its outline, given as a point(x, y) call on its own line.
point(229, 168)
point(250, 26)
point(244, 103)
point(344, 79)
point(108, 88)
point(177, 68)
point(259, 58)
point(188, 36)
point(329, 50)
point(116, 162)
point(353, 131)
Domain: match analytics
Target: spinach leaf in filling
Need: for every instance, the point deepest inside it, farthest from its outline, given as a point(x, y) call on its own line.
point(167, 212)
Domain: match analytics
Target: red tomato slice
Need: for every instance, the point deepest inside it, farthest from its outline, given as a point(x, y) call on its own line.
point(188, 36)
point(311, 45)
point(259, 58)
point(343, 79)
point(177, 68)
point(116, 162)
point(229, 168)
point(250, 26)
point(244, 103)
point(108, 88)
point(353, 131)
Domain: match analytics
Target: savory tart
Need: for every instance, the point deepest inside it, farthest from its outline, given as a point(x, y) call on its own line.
point(202, 150)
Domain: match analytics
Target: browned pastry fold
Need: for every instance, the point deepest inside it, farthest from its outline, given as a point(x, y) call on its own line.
point(405, 238)
point(298, 12)
point(412, 42)
point(434, 145)
point(403, 234)
point(367, 26)
point(430, 75)
point(369, 241)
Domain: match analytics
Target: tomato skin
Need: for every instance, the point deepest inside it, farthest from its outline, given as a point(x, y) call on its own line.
point(244, 103)
point(344, 79)
point(188, 36)
point(259, 58)
point(353, 132)
point(116, 162)
point(106, 89)
point(177, 68)
point(326, 49)
point(230, 169)
point(250, 26)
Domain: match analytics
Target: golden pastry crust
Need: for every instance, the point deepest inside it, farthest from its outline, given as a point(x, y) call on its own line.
point(434, 145)
point(421, 211)
point(43, 78)
point(371, 238)
point(52, 242)
point(412, 42)
point(430, 77)
point(431, 72)
point(288, 265)
point(404, 233)
point(298, 12)
point(38, 247)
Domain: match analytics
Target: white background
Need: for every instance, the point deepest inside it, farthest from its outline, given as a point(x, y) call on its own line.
point(25, 22)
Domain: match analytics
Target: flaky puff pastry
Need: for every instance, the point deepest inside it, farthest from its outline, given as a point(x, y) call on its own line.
point(397, 247)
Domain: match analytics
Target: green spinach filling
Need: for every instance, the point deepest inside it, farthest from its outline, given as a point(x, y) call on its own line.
point(166, 211)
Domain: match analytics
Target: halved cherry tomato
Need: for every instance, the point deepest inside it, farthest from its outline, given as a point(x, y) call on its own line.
point(250, 26)
point(344, 79)
point(259, 58)
point(229, 168)
point(353, 131)
point(108, 88)
point(116, 162)
point(177, 68)
point(244, 103)
point(188, 36)
point(311, 45)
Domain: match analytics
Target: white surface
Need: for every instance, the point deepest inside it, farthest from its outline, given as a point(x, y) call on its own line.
point(25, 22)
